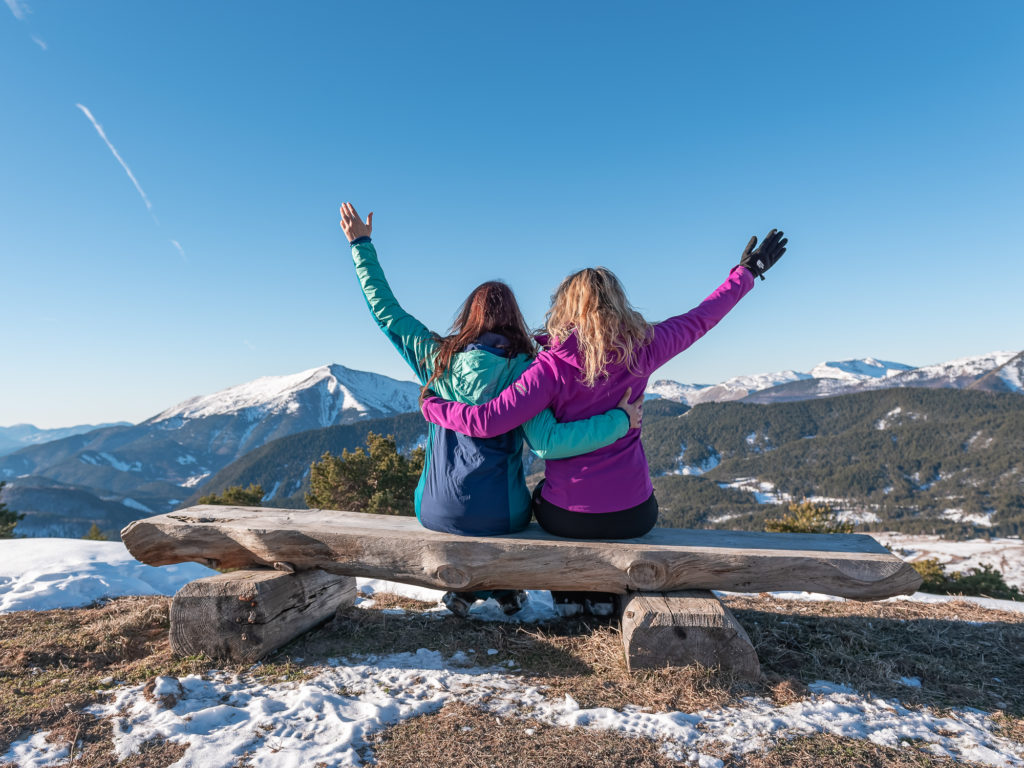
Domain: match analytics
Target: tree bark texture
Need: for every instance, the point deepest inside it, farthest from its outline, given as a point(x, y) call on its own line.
point(399, 549)
point(244, 615)
point(681, 628)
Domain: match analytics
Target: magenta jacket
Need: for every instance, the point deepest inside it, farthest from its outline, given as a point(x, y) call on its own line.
point(615, 477)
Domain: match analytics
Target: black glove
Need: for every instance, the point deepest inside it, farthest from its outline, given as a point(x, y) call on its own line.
point(759, 260)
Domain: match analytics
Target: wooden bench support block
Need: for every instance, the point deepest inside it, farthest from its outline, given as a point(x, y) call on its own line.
point(678, 628)
point(244, 615)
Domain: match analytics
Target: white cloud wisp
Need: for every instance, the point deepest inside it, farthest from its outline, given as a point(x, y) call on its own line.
point(179, 249)
point(18, 8)
point(117, 156)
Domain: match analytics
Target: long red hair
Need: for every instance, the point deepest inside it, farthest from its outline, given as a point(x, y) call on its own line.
point(491, 307)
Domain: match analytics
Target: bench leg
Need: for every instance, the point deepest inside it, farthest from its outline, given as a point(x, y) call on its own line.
point(244, 615)
point(678, 628)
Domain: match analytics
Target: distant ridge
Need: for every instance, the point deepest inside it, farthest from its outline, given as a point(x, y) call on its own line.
point(18, 436)
point(994, 371)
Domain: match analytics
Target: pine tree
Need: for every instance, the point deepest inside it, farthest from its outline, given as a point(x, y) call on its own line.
point(95, 534)
point(8, 518)
point(379, 480)
point(236, 496)
point(808, 517)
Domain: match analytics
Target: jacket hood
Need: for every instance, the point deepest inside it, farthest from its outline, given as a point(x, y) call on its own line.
point(568, 350)
point(480, 372)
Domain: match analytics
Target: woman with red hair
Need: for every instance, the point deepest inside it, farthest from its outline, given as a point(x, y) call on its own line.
point(475, 486)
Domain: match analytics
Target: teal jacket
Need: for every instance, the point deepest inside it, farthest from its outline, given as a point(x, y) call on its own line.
point(474, 486)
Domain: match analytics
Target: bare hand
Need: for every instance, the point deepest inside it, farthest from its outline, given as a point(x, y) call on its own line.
point(635, 411)
point(352, 225)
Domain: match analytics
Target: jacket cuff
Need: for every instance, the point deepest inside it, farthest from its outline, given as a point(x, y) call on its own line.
point(748, 270)
point(358, 240)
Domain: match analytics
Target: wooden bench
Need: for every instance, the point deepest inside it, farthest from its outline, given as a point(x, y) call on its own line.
point(292, 569)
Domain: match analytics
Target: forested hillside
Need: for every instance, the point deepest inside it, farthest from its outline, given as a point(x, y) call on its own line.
point(282, 466)
point(915, 460)
point(918, 460)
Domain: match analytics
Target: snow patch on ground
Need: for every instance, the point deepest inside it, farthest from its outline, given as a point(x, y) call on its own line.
point(195, 480)
point(763, 490)
point(330, 717)
point(43, 574)
point(722, 518)
point(137, 505)
point(958, 515)
point(856, 516)
point(119, 465)
point(883, 423)
point(682, 468)
point(1004, 554)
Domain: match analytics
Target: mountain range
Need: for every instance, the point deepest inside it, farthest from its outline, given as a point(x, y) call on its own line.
point(992, 372)
point(149, 468)
point(114, 474)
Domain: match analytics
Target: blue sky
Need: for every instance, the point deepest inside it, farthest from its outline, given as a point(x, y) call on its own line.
point(519, 141)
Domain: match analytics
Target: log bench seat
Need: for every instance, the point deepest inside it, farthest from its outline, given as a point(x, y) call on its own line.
point(288, 564)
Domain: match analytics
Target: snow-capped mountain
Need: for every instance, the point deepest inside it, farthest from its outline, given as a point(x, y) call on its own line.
point(332, 394)
point(995, 371)
point(863, 369)
point(962, 372)
point(150, 467)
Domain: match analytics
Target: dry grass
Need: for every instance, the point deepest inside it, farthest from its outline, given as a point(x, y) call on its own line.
point(460, 736)
point(387, 601)
point(870, 646)
point(828, 751)
point(53, 663)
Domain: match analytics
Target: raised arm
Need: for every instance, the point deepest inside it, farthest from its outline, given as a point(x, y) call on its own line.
point(677, 333)
point(411, 338)
point(551, 439)
point(527, 396)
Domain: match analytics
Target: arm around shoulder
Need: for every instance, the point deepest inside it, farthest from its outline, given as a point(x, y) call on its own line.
point(527, 396)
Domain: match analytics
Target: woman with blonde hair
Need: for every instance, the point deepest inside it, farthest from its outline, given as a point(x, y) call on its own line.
point(597, 346)
point(471, 486)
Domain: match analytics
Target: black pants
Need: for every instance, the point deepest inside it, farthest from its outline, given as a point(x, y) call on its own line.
point(624, 524)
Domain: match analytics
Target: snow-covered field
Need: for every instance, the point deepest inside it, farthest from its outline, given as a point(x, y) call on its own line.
point(328, 717)
point(1005, 555)
point(42, 574)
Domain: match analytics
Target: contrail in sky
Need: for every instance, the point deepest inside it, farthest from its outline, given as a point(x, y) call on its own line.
point(41, 43)
point(181, 250)
point(17, 8)
point(99, 130)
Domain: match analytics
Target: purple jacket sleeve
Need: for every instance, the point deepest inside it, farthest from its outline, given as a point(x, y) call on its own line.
point(527, 396)
point(677, 333)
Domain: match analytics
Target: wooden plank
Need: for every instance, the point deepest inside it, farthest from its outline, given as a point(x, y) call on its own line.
point(686, 627)
point(398, 548)
point(244, 615)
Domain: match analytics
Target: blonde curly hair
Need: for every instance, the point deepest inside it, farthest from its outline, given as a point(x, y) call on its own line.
point(592, 304)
